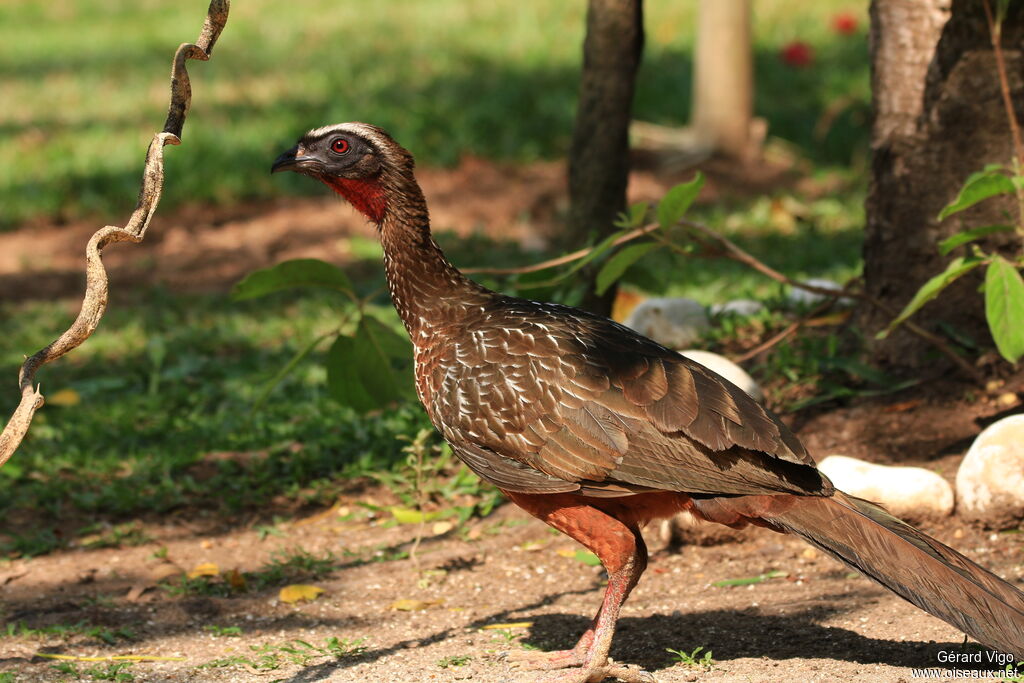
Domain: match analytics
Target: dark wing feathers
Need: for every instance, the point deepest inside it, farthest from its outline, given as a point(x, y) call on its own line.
point(598, 426)
point(649, 384)
point(586, 404)
point(508, 473)
point(677, 409)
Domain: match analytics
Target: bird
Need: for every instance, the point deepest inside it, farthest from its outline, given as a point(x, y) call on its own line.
point(597, 430)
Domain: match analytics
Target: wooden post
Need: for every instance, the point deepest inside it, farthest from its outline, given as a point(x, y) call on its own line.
point(723, 84)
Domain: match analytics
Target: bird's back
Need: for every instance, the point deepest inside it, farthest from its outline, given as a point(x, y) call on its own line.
point(579, 402)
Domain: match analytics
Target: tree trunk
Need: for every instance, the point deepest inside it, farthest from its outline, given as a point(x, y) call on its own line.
point(723, 84)
point(599, 156)
point(939, 117)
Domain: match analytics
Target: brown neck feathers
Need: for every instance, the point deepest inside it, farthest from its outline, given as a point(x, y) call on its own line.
point(428, 292)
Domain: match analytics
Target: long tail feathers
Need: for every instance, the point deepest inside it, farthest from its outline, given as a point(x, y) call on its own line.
point(916, 567)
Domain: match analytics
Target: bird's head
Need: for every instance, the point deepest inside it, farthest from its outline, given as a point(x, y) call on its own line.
point(360, 162)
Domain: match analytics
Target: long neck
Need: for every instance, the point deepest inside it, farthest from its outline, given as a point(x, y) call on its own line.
point(427, 290)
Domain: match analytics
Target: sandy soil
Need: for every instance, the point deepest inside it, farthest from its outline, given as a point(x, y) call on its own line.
point(815, 622)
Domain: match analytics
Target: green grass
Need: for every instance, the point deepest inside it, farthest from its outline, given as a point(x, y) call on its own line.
point(109, 636)
point(270, 656)
point(111, 671)
point(141, 437)
point(85, 87)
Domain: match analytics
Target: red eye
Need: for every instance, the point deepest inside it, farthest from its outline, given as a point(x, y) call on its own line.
point(339, 146)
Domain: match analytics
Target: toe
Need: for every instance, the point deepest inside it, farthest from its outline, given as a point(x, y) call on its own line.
point(532, 659)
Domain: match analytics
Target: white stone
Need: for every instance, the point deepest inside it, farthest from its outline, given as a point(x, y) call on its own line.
point(743, 307)
point(990, 481)
point(727, 369)
point(675, 323)
point(801, 297)
point(912, 493)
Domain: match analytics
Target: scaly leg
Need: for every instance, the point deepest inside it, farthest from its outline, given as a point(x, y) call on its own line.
point(622, 551)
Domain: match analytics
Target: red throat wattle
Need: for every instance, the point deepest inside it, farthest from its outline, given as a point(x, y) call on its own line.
point(366, 195)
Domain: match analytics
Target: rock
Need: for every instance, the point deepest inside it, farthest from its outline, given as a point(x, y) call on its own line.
point(911, 493)
point(727, 369)
point(801, 297)
point(990, 481)
point(675, 323)
point(741, 307)
point(685, 529)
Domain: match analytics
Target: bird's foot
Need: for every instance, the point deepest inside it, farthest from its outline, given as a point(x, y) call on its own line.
point(594, 673)
point(544, 661)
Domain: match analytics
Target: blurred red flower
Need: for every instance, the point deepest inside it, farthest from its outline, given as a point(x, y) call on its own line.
point(845, 23)
point(797, 54)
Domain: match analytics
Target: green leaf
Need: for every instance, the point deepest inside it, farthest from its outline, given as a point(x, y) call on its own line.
point(953, 241)
point(979, 186)
point(931, 289)
point(539, 280)
point(370, 369)
point(747, 580)
point(410, 516)
point(303, 272)
point(617, 265)
point(633, 217)
point(676, 201)
point(287, 368)
point(588, 558)
point(602, 248)
point(1004, 307)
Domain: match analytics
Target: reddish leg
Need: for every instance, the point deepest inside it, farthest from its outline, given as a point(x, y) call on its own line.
point(621, 550)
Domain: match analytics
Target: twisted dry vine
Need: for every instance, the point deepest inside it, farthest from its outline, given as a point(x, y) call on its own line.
point(94, 302)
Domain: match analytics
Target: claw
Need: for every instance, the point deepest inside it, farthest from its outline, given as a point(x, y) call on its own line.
point(543, 661)
point(628, 673)
point(594, 674)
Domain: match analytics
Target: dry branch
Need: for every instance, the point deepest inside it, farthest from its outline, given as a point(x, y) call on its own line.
point(94, 303)
point(730, 249)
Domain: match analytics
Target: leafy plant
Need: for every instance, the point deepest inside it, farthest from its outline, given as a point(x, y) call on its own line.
point(68, 668)
point(1004, 288)
point(223, 631)
point(367, 368)
point(426, 481)
point(454, 661)
point(690, 658)
point(101, 535)
point(113, 671)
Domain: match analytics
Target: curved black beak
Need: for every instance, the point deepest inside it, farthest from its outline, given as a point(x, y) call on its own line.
point(294, 160)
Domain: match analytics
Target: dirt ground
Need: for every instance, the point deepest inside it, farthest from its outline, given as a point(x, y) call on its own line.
point(813, 621)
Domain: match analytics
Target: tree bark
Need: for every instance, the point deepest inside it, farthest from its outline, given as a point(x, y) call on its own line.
point(599, 156)
point(723, 84)
point(939, 117)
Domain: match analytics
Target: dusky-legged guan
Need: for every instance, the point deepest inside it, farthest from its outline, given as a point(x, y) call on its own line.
point(597, 430)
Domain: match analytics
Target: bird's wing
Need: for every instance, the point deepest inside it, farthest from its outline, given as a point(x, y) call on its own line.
point(584, 401)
